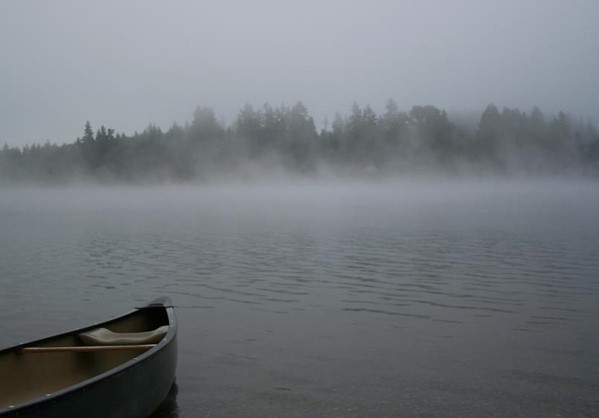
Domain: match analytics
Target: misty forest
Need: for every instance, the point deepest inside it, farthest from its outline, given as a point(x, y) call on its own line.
point(266, 141)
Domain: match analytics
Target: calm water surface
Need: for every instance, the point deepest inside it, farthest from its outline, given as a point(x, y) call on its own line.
point(396, 299)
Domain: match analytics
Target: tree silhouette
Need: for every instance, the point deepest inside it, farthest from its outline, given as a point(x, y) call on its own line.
point(361, 143)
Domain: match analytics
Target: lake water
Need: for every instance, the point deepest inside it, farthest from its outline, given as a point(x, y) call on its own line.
point(389, 299)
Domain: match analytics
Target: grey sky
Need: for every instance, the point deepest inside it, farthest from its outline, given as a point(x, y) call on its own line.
point(125, 64)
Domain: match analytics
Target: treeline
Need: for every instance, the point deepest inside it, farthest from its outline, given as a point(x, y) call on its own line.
point(268, 141)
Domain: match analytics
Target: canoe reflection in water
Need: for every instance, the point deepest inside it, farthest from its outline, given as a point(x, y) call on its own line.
point(121, 368)
point(169, 408)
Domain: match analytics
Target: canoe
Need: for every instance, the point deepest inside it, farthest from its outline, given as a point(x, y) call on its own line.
point(121, 368)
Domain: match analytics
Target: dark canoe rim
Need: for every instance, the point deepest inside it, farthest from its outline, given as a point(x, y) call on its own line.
point(160, 303)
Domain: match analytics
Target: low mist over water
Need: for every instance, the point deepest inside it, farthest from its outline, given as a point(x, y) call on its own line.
point(388, 298)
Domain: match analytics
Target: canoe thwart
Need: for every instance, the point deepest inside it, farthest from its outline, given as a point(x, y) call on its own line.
point(87, 349)
point(102, 339)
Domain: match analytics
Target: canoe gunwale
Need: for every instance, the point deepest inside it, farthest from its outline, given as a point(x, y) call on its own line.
point(137, 361)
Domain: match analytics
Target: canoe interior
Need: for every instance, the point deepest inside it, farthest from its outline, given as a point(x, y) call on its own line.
point(27, 376)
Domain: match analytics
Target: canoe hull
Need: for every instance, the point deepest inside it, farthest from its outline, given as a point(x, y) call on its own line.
point(133, 390)
point(132, 393)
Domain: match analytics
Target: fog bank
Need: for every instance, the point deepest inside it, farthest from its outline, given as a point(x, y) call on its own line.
point(270, 143)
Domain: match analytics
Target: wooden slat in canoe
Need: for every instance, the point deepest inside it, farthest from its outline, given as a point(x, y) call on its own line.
point(87, 349)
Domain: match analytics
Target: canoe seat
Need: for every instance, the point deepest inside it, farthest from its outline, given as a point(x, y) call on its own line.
point(103, 336)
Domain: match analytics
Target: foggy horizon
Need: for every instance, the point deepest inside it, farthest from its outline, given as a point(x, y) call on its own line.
point(467, 120)
point(129, 65)
point(284, 142)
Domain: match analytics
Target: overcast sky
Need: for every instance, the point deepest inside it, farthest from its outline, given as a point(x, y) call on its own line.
point(125, 64)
